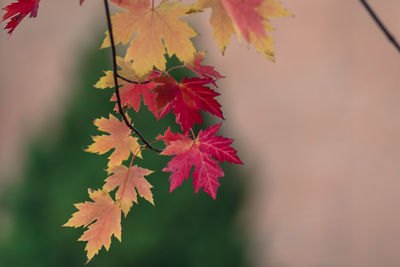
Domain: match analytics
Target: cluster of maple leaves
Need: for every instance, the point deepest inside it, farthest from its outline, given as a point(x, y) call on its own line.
point(154, 30)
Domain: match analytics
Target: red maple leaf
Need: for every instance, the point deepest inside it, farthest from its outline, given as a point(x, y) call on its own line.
point(203, 70)
point(245, 16)
point(187, 99)
point(17, 11)
point(169, 136)
point(199, 153)
point(130, 95)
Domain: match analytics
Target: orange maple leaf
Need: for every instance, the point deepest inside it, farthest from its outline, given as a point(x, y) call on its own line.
point(159, 31)
point(249, 18)
point(107, 215)
point(119, 139)
point(129, 180)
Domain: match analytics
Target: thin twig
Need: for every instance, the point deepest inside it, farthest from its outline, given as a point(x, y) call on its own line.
point(380, 24)
point(115, 75)
point(130, 81)
point(176, 67)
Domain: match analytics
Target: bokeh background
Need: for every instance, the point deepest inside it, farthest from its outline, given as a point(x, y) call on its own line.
point(318, 131)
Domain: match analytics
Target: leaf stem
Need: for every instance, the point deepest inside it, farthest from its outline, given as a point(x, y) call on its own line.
point(127, 175)
point(115, 75)
point(194, 137)
point(380, 24)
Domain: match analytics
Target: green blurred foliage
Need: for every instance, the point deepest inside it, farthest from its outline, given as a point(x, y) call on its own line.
point(183, 229)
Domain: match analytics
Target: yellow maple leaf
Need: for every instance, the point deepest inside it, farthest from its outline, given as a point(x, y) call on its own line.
point(106, 81)
point(129, 180)
point(119, 139)
point(107, 216)
point(220, 21)
point(248, 18)
point(159, 31)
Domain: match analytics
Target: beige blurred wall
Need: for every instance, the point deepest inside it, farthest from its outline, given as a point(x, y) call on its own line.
point(322, 127)
point(35, 73)
point(319, 128)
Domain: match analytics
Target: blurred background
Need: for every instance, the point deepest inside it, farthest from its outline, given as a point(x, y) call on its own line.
point(318, 131)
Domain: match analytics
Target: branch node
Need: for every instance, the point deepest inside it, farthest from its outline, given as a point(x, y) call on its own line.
point(116, 76)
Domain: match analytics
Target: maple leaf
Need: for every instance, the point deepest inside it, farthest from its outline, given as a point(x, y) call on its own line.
point(17, 11)
point(131, 94)
point(186, 98)
point(107, 216)
point(119, 139)
point(199, 153)
point(159, 32)
point(268, 9)
point(169, 136)
point(249, 18)
point(129, 180)
point(203, 70)
point(244, 16)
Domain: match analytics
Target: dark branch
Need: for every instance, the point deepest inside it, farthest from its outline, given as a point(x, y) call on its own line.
point(115, 75)
point(380, 24)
